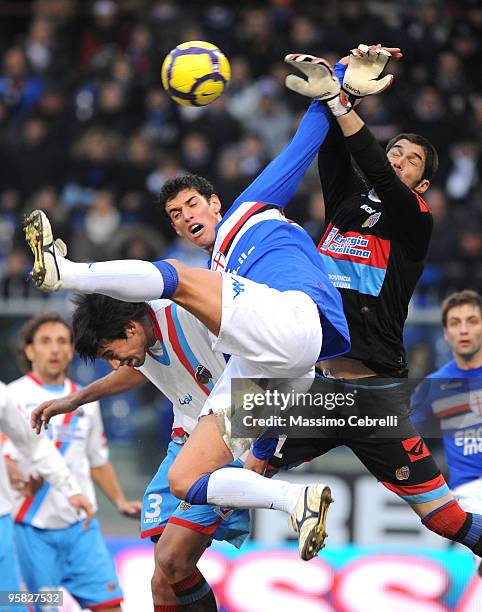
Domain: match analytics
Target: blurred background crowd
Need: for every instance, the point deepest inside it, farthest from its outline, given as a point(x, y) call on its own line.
point(88, 134)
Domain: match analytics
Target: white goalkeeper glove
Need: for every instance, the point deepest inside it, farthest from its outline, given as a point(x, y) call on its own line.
point(320, 84)
point(365, 65)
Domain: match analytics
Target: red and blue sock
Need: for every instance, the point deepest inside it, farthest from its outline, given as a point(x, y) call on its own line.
point(452, 522)
point(194, 593)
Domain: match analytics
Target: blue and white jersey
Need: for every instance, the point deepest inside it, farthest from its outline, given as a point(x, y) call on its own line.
point(453, 397)
point(256, 241)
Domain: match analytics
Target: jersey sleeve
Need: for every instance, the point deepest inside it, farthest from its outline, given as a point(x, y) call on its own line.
point(338, 177)
point(422, 415)
point(278, 182)
point(44, 457)
point(97, 450)
point(9, 450)
point(409, 216)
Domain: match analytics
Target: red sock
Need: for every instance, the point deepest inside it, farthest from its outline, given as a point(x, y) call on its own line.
point(174, 608)
point(447, 520)
point(193, 589)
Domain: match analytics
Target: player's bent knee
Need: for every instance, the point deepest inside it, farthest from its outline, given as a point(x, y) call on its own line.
point(179, 482)
point(172, 565)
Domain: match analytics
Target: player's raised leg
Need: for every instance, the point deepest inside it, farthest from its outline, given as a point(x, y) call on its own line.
point(195, 476)
point(197, 290)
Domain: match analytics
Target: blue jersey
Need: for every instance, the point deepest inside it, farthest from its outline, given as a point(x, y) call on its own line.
point(256, 241)
point(453, 398)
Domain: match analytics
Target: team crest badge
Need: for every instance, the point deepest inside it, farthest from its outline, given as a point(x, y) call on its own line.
point(184, 505)
point(475, 401)
point(219, 261)
point(372, 219)
point(403, 473)
point(203, 375)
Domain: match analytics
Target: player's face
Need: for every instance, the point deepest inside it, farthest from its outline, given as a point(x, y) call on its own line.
point(130, 351)
point(195, 217)
point(51, 351)
point(408, 161)
point(463, 331)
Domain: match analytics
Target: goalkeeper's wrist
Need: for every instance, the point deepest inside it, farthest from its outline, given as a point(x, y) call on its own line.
point(339, 105)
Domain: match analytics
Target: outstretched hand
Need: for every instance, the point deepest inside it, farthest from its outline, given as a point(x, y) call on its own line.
point(320, 82)
point(131, 509)
point(41, 415)
point(395, 52)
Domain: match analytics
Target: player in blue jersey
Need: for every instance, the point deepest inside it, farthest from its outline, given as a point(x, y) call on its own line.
point(450, 399)
point(267, 302)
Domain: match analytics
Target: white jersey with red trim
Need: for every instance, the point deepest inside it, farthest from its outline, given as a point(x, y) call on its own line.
point(14, 425)
point(182, 363)
point(80, 439)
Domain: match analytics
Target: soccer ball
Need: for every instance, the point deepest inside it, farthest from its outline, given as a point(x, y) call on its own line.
point(195, 73)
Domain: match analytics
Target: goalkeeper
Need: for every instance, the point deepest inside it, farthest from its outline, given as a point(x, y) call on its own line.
point(373, 247)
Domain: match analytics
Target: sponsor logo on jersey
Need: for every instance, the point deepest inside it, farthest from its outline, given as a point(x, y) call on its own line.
point(339, 244)
point(369, 209)
point(415, 448)
point(186, 400)
point(402, 473)
point(470, 439)
point(238, 287)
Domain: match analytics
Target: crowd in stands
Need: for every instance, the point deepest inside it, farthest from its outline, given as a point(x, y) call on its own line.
point(88, 134)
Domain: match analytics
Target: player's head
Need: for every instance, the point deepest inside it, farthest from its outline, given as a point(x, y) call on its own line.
point(462, 321)
point(105, 328)
point(414, 159)
point(193, 208)
point(46, 347)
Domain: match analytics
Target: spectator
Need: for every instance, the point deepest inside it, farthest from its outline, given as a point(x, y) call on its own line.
point(94, 238)
point(19, 89)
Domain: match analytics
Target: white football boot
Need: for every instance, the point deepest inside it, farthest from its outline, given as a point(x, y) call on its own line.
point(309, 519)
point(48, 254)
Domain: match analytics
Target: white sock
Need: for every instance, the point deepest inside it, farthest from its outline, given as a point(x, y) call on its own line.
point(129, 280)
point(239, 488)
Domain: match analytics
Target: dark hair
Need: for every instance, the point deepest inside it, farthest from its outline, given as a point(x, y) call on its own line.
point(27, 335)
point(173, 186)
point(460, 298)
point(98, 318)
point(431, 155)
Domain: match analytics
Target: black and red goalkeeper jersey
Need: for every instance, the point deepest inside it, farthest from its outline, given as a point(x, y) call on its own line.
point(373, 246)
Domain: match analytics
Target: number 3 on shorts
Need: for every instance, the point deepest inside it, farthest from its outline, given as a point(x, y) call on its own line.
point(155, 501)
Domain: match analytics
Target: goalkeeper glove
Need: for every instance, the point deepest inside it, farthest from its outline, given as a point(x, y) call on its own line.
point(365, 65)
point(320, 84)
point(361, 78)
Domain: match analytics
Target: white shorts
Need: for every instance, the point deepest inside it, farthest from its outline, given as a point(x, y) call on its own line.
point(270, 334)
point(469, 496)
